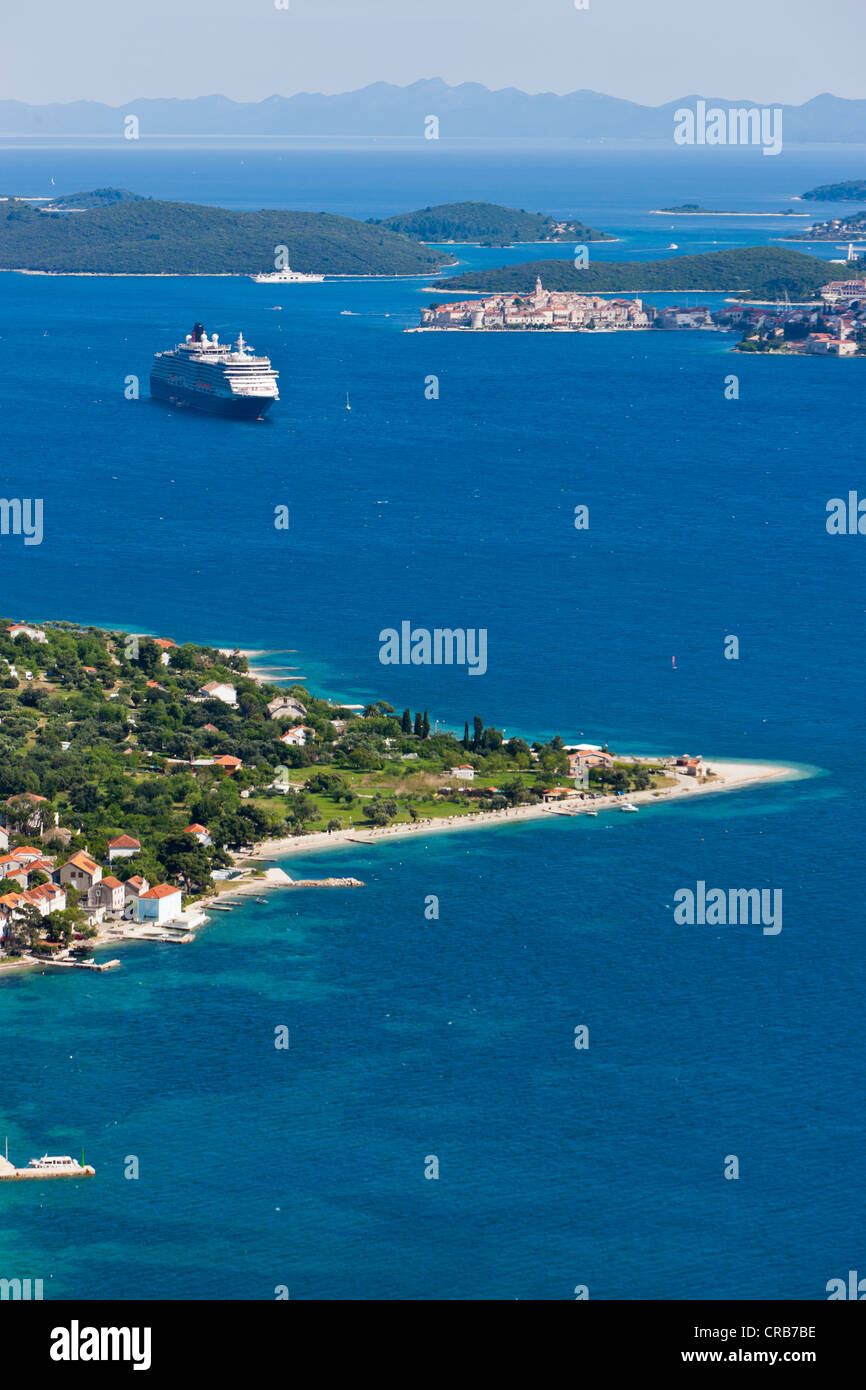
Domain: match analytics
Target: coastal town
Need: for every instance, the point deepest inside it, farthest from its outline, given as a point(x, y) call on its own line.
point(834, 325)
point(145, 785)
point(544, 309)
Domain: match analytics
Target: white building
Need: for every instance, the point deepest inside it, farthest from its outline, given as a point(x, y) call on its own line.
point(297, 737)
point(124, 847)
point(24, 630)
point(200, 833)
point(464, 773)
point(160, 904)
point(220, 690)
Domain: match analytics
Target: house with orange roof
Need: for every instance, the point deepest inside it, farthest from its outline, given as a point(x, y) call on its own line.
point(464, 773)
point(160, 904)
point(123, 847)
point(557, 793)
point(47, 897)
point(229, 762)
point(15, 869)
point(166, 646)
point(79, 871)
point(201, 833)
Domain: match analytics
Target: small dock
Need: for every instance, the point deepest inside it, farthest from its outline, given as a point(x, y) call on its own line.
point(82, 964)
point(325, 883)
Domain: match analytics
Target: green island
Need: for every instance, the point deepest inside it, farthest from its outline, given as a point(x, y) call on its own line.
point(693, 209)
point(852, 190)
point(164, 763)
point(486, 224)
point(755, 272)
point(118, 233)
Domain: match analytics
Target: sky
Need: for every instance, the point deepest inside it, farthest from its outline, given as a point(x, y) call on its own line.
point(650, 51)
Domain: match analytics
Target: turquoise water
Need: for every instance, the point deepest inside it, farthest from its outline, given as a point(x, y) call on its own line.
point(454, 1037)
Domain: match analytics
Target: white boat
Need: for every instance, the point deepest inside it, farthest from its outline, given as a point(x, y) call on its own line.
point(48, 1166)
point(286, 276)
point(591, 813)
point(628, 806)
point(55, 1163)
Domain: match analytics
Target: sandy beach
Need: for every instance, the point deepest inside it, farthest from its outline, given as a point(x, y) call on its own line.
point(731, 776)
point(259, 880)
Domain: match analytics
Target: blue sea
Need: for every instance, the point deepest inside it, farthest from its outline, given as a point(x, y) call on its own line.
point(454, 1038)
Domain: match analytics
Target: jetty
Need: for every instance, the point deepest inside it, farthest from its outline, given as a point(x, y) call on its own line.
point(82, 964)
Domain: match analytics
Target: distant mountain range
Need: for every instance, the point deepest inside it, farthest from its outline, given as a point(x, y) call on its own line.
point(383, 109)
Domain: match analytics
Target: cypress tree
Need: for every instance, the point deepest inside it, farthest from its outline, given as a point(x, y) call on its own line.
point(466, 735)
point(407, 721)
point(425, 725)
point(419, 726)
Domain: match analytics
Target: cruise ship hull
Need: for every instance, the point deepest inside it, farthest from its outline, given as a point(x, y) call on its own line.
point(238, 407)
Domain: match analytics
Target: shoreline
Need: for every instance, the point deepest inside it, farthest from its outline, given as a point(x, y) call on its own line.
point(261, 878)
point(739, 775)
point(708, 212)
point(199, 275)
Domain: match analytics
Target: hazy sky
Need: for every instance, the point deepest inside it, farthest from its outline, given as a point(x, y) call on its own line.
point(649, 50)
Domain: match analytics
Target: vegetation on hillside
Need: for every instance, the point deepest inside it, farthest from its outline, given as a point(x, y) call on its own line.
point(852, 190)
point(755, 272)
point(95, 729)
point(148, 236)
point(487, 224)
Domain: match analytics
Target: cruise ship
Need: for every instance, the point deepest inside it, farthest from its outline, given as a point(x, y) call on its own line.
point(220, 378)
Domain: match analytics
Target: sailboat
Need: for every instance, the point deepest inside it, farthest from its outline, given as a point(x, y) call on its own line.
point(348, 407)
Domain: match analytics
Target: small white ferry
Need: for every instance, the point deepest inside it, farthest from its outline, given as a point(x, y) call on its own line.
point(58, 1166)
point(628, 806)
point(48, 1166)
point(287, 276)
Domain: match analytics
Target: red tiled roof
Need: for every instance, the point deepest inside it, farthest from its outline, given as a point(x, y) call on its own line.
point(83, 861)
point(162, 890)
point(124, 842)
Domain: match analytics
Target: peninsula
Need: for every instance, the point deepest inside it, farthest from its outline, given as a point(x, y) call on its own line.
point(114, 232)
point(486, 224)
point(751, 272)
point(145, 782)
